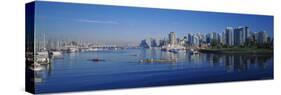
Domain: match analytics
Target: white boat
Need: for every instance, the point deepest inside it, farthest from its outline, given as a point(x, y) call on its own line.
point(36, 67)
point(42, 53)
point(93, 49)
point(71, 50)
point(42, 59)
point(56, 53)
point(192, 51)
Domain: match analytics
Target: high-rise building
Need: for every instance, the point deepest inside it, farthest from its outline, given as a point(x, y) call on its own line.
point(183, 42)
point(172, 38)
point(223, 38)
point(145, 44)
point(262, 37)
point(247, 32)
point(240, 35)
point(229, 36)
point(214, 36)
point(189, 38)
point(208, 38)
point(195, 40)
point(154, 42)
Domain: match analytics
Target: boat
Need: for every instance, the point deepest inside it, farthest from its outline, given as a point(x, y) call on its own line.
point(42, 59)
point(96, 60)
point(42, 53)
point(196, 52)
point(56, 53)
point(192, 51)
point(158, 61)
point(72, 50)
point(174, 50)
point(36, 67)
point(165, 49)
point(93, 49)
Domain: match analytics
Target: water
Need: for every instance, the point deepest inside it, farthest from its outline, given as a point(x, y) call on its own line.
point(122, 69)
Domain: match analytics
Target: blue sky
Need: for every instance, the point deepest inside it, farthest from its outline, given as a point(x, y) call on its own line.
point(129, 25)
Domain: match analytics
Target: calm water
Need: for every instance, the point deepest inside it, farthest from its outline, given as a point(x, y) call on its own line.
point(122, 69)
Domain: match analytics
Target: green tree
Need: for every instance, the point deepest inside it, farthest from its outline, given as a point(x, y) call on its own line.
point(214, 43)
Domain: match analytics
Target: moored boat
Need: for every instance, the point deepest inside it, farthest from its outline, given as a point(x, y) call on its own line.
point(36, 67)
point(56, 53)
point(158, 61)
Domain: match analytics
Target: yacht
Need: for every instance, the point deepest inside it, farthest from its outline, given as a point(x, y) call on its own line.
point(56, 53)
point(36, 67)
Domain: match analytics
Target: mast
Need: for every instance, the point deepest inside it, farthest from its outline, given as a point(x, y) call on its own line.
point(44, 41)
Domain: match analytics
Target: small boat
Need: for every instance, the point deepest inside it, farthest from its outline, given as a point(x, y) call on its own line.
point(192, 51)
point(72, 50)
point(158, 61)
point(174, 50)
point(96, 60)
point(42, 53)
point(93, 49)
point(56, 53)
point(134, 55)
point(42, 59)
point(196, 52)
point(36, 67)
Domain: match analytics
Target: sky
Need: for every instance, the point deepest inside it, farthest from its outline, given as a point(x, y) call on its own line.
point(130, 25)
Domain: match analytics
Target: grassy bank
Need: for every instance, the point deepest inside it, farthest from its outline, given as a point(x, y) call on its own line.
point(238, 50)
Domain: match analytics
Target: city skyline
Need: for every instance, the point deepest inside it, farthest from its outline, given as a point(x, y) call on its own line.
point(130, 25)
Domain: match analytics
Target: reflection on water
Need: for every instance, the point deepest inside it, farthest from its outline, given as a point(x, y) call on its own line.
point(231, 62)
point(40, 76)
point(239, 62)
point(75, 68)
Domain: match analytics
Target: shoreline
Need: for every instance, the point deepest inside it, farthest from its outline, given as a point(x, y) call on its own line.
point(237, 51)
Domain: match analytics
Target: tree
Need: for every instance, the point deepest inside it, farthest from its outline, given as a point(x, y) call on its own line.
point(214, 43)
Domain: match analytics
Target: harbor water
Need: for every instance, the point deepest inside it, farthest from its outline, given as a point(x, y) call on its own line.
point(123, 69)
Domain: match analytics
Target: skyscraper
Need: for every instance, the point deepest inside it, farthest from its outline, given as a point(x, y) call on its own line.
point(262, 37)
point(240, 35)
point(195, 40)
point(223, 40)
point(154, 42)
point(229, 36)
point(172, 38)
point(189, 38)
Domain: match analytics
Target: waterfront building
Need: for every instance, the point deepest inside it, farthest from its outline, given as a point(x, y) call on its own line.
point(148, 43)
point(214, 36)
point(183, 42)
point(172, 38)
point(163, 42)
point(145, 44)
point(195, 40)
point(189, 38)
point(262, 37)
point(240, 35)
point(154, 42)
point(247, 32)
point(229, 36)
point(223, 39)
